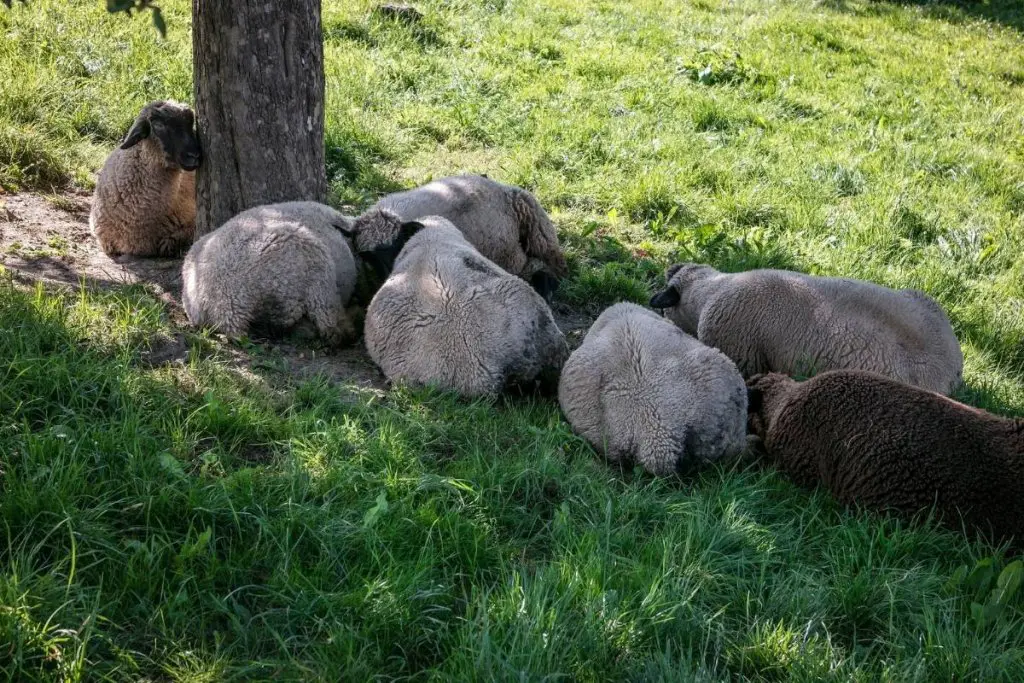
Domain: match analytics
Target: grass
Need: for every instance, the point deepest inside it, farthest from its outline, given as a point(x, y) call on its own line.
point(200, 522)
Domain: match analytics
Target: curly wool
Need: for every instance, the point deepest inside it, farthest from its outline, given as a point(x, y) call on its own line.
point(273, 266)
point(142, 205)
point(450, 318)
point(640, 388)
point(781, 321)
point(506, 224)
point(873, 441)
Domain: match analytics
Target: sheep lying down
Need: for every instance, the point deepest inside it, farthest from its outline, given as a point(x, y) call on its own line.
point(145, 198)
point(450, 318)
point(273, 266)
point(640, 388)
point(872, 441)
point(781, 321)
point(506, 224)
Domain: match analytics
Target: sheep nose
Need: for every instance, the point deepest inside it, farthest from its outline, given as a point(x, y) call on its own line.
point(191, 162)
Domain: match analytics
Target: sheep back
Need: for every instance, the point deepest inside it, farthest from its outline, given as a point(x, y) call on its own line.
point(640, 388)
point(271, 266)
point(877, 442)
point(782, 321)
point(505, 223)
point(450, 318)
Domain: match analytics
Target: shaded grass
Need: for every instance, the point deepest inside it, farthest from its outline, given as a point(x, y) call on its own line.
point(415, 532)
point(203, 523)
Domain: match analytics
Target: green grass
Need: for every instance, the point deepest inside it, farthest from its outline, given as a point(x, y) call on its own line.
point(199, 522)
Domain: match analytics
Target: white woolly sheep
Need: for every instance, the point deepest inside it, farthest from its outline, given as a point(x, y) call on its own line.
point(639, 388)
point(273, 266)
point(782, 321)
point(450, 318)
point(506, 224)
point(145, 198)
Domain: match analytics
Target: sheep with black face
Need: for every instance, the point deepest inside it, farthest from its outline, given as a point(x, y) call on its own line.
point(783, 321)
point(145, 198)
point(448, 317)
point(506, 224)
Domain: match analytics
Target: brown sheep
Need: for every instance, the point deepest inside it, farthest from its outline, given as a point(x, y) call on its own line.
point(145, 198)
point(883, 444)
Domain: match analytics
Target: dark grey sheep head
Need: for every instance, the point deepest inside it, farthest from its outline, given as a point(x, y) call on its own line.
point(382, 257)
point(172, 125)
point(679, 277)
point(544, 283)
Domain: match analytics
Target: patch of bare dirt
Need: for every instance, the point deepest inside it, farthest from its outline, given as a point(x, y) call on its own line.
point(47, 239)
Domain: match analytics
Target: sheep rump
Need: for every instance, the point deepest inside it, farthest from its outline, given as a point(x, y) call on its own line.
point(640, 388)
point(450, 318)
point(782, 321)
point(506, 224)
point(144, 203)
point(873, 441)
point(273, 266)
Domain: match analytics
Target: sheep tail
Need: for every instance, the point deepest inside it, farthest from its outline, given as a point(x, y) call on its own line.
point(537, 233)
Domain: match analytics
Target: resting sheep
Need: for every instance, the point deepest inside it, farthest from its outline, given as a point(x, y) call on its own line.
point(506, 224)
point(145, 198)
point(883, 444)
point(272, 266)
point(781, 321)
point(450, 318)
point(640, 388)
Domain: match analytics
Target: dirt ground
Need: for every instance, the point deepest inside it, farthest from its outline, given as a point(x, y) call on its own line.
point(46, 239)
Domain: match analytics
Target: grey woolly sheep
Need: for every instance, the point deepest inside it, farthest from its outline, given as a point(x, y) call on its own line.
point(450, 318)
point(273, 266)
point(145, 198)
point(506, 224)
point(873, 441)
point(781, 321)
point(640, 388)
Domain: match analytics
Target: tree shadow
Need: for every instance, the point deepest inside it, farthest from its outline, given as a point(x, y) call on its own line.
point(1009, 13)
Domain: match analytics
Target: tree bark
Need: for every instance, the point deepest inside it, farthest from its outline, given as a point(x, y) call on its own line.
point(259, 100)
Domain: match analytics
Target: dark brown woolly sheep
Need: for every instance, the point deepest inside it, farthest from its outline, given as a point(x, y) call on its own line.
point(883, 444)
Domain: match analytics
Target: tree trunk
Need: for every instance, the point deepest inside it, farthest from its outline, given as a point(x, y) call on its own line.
point(259, 100)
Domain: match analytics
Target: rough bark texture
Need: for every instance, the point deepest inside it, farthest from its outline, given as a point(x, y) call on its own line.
point(259, 100)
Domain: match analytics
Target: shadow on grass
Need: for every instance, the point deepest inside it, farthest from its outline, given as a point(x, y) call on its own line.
point(1006, 12)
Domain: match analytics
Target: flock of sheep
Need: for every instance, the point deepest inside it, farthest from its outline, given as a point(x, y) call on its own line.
point(451, 281)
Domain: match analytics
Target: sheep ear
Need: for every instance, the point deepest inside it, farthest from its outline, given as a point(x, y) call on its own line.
point(139, 131)
point(672, 270)
point(666, 298)
point(344, 231)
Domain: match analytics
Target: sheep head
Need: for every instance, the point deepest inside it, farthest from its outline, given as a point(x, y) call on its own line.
point(679, 278)
point(382, 257)
point(172, 126)
point(763, 390)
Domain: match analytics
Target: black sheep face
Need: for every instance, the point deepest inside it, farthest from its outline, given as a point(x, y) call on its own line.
point(172, 126)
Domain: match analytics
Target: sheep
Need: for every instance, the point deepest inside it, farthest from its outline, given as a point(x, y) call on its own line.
point(506, 224)
point(145, 198)
point(273, 266)
point(782, 321)
point(450, 318)
point(641, 389)
point(873, 441)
